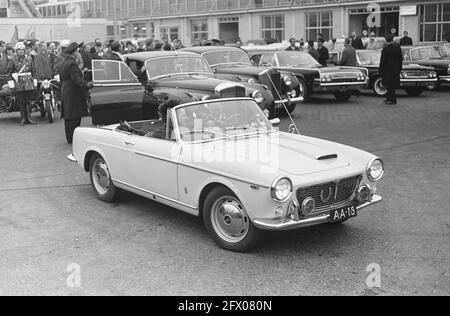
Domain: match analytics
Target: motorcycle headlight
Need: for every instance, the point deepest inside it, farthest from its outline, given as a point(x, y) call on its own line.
point(293, 93)
point(45, 84)
point(288, 81)
point(281, 190)
point(258, 96)
point(375, 169)
point(252, 81)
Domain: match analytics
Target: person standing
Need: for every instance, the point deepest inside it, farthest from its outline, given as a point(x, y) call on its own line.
point(312, 51)
point(324, 54)
point(72, 90)
point(356, 41)
point(43, 63)
point(115, 52)
point(372, 45)
point(406, 40)
point(391, 64)
point(4, 75)
point(348, 58)
point(20, 69)
point(293, 46)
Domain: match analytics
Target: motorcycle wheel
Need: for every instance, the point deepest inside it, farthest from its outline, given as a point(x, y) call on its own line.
point(42, 110)
point(49, 112)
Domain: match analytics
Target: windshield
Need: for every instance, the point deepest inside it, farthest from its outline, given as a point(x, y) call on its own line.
point(369, 58)
point(177, 65)
point(424, 53)
point(221, 120)
point(227, 57)
point(296, 59)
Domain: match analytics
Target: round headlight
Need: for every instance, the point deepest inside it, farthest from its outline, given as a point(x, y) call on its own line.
point(328, 79)
point(252, 81)
point(375, 169)
point(258, 96)
point(293, 93)
point(45, 84)
point(281, 190)
point(288, 81)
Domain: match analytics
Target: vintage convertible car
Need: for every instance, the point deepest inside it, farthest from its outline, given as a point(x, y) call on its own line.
point(343, 82)
point(233, 64)
point(223, 160)
point(429, 57)
point(134, 90)
point(413, 79)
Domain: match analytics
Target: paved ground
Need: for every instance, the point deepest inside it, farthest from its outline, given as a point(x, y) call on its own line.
point(49, 219)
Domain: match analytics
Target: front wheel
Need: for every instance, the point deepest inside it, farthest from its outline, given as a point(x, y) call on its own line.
point(42, 110)
point(303, 90)
point(414, 92)
point(378, 87)
point(101, 181)
point(227, 222)
point(49, 111)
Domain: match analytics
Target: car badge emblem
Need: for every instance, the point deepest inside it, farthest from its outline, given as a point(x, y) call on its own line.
point(326, 198)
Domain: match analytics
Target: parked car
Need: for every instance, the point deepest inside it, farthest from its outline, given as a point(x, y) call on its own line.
point(413, 79)
point(343, 82)
point(443, 50)
point(429, 57)
point(234, 64)
point(134, 90)
point(221, 169)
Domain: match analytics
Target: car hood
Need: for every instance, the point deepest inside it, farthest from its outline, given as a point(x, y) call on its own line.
point(240, 70)
point(330, 70)
point(257, 157)
point(193, 83)
point(443, 63)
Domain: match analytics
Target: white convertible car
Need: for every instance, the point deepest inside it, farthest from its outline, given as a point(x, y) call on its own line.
point(225, 161)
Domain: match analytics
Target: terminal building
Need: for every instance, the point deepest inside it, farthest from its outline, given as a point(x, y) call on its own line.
point(250, 20)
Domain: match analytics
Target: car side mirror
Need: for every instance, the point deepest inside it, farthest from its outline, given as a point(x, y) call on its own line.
point(275, 122)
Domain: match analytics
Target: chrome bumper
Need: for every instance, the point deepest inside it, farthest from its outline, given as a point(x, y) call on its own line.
point(289, 225)
point(291, 100)
point(444, 78)
point(72, 158)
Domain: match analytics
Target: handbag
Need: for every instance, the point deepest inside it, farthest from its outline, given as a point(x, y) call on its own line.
point(25, 84)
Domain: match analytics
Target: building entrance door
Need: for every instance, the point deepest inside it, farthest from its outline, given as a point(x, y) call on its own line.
point(229, 30)
point(389, 19)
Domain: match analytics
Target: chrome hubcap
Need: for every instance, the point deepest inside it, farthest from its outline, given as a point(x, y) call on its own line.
point(101, 176)
point(380, 89)
point(230, 220)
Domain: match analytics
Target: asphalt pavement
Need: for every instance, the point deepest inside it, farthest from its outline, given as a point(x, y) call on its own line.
point(53, 227)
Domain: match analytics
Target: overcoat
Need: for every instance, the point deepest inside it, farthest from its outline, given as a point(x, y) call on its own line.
point(391, 65)
point(73, 89)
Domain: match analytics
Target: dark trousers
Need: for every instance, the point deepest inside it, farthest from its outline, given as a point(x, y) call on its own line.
point(391, 95)
point(70, 126)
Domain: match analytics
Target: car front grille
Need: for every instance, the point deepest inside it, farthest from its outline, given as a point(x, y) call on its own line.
point(273, 81)
point(232, 92)
point(331, 194)
point(416, 74)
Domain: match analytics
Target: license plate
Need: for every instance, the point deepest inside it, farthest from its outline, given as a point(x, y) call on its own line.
point(343, 214)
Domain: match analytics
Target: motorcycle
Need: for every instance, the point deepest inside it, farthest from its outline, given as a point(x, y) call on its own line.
point(47, 102)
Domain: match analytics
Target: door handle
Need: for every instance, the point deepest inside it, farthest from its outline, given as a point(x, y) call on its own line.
point(129, 144)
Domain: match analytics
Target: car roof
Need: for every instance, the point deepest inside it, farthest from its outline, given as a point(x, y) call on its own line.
point(144, 56)
point(206, 49)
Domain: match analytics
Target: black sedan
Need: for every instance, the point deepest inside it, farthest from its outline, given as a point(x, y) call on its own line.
point(342, 82)
point(133, 90)
point(413, 79)
point(429, 57)
point(233, 64)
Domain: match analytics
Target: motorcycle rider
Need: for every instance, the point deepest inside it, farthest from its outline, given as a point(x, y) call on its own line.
point(21, 64)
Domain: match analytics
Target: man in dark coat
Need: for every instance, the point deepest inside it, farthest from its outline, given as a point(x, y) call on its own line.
point(391, 65)
point(324, 54)
point(72, 91)
point(406, 40)
point(348, 58)
point(356, 41)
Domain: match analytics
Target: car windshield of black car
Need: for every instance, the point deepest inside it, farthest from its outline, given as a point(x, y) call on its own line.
point(227, 57)
point(177, 65)
point(424, 53)
point(369, 58)
point(296, 59)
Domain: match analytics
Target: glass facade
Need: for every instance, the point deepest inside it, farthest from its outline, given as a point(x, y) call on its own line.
point(319, 23)
point(273, 27)
point(434, 22)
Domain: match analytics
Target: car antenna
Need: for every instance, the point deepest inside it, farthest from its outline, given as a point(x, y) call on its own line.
point(293, 127)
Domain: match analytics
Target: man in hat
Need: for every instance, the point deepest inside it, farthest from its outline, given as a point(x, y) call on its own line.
point(72, 91)
point(115, 52)
point(391, 65)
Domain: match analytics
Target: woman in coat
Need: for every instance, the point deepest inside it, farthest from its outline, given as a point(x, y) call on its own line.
point(391, 65)
point(20, 69)
point(72, 91)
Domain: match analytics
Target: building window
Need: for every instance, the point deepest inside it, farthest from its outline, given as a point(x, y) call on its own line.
point(3, 13)
point(168, 34)
point(273, 27)
point(319, 23)
point(199, 30)
point(434, 22)
point(139, 29)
